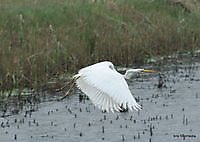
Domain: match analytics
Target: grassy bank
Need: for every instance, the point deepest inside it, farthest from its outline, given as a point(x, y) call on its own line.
point(40, 40)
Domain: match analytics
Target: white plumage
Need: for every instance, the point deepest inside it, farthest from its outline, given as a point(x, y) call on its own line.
point(107, 88)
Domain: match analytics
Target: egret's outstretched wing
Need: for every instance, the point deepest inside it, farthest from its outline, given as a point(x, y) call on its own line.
point(106, 88)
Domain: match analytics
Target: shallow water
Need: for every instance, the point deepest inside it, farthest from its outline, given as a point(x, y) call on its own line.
point(170, 113)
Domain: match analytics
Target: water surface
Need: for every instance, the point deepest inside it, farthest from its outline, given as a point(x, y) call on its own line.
point(170, 113)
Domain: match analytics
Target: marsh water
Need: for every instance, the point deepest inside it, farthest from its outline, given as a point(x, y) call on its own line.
point(170, 101)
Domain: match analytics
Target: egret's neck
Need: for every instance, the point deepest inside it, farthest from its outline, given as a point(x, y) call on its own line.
point(128, 75)
point(131, 72)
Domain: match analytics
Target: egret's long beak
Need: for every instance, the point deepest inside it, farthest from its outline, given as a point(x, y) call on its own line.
point(149, 71)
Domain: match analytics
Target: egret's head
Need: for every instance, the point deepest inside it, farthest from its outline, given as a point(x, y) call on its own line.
point(131, 72)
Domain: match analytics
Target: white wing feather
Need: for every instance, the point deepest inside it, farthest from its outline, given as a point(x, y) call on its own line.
point(106, 88)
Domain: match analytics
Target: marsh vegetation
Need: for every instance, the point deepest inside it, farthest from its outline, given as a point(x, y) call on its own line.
point(42, 40)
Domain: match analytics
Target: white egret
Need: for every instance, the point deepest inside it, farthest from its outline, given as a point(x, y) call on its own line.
point(106, 87)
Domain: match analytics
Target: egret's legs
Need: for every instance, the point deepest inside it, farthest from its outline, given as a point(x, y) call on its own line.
point(73, 84)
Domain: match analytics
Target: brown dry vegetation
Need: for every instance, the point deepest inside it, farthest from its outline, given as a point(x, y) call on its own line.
point(40, 40)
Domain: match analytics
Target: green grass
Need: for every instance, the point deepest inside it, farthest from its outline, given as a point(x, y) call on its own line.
point(40, 40)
